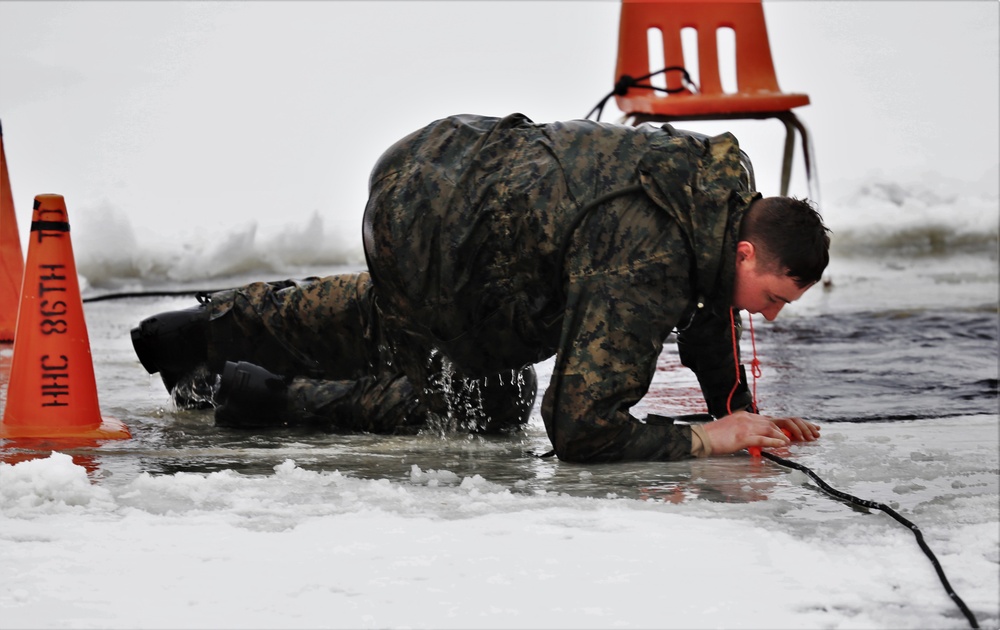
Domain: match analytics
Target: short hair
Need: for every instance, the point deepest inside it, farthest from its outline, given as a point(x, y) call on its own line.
point(789, 237)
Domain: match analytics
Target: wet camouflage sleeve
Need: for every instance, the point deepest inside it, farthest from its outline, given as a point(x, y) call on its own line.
point(624, 297)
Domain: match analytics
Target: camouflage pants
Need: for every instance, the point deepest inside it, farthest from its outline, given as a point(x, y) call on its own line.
point(351, 372)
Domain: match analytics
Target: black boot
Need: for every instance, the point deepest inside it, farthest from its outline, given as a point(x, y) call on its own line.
point(172, 343)
point(250, 397)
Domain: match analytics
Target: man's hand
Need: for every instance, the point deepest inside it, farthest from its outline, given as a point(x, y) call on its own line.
point(797, 429)
point(743, 429)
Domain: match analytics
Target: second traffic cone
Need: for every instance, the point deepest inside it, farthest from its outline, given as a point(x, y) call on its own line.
point(52, 392)
point(11, 257)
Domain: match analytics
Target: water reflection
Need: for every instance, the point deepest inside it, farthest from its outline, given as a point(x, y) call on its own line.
point(188, 442)
point(17, 450)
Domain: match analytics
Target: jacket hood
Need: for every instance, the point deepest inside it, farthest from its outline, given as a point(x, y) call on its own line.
point(705, 184)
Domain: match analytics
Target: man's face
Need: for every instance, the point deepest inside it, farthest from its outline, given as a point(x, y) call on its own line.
point(759, 291)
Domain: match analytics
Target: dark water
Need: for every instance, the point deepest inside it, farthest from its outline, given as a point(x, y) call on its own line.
point(891, 365)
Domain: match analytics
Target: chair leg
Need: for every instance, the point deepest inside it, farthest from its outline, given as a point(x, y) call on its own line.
point(812, 177)
point(792, 123)
point(786, 164)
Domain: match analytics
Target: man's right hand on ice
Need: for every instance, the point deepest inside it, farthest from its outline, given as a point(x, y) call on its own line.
point(743, 429)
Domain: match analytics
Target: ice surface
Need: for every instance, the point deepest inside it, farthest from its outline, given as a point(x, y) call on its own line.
point(318, 548)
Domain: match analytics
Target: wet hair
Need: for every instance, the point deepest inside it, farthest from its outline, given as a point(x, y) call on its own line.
point(789, 237)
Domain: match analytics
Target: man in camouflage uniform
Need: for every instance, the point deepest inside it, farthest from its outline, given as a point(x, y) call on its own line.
point(493, 244)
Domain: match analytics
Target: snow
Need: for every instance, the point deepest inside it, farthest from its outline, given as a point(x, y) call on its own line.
point(301, 548)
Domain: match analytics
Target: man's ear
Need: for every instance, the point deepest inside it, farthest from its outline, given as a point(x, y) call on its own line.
point(745, 251)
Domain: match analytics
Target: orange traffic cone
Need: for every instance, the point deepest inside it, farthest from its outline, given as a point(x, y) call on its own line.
point(11, 258)
point(52, 392)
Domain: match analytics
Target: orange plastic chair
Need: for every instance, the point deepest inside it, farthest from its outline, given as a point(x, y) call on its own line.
point(757, 96)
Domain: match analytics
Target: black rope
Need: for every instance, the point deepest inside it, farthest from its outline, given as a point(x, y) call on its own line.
point(888, 510)
point(626, 82)
point(197, 293)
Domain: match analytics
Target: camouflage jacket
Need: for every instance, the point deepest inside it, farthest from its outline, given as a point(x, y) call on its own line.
point(501, 242)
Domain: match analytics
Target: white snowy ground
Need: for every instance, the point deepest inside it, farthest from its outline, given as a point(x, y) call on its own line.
point(308, 549)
